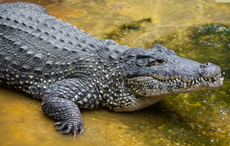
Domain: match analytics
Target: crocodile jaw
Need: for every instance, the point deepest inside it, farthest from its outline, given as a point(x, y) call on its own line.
point(150, 86)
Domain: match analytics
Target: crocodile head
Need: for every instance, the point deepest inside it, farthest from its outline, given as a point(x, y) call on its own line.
point(159, 71)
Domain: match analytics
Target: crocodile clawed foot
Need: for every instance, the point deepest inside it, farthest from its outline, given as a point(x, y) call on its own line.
point(70, 126)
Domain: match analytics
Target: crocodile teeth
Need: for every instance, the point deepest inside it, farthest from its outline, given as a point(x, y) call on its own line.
point(219, 81)
point(202, 80)
point(193, 82)
point(178, 80)
point(219, 75)
point(185, 85)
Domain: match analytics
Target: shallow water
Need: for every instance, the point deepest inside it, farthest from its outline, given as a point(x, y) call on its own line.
point(198, 30)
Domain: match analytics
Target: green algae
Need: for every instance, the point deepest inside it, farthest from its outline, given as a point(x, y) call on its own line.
point(125, 29)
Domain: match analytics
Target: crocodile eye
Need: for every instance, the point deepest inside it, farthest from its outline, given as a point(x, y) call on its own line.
point(160, 60)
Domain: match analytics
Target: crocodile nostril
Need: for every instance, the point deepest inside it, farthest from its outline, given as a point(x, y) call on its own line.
point(205, 65)
point(208, 64)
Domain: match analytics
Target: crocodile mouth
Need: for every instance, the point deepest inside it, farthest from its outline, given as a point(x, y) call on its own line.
point(203, 82)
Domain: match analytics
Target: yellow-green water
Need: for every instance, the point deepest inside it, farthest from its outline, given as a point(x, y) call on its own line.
point(195, 29)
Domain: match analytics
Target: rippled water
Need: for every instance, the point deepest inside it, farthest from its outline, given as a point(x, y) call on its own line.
point(198, 30)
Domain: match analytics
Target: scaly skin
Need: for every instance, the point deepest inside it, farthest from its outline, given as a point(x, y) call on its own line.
point(69, 69)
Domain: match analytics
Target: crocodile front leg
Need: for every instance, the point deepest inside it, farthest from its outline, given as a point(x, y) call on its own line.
point(65, 112)
point(61, 101)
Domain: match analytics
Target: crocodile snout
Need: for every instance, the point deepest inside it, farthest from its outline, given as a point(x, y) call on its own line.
point(208, 70)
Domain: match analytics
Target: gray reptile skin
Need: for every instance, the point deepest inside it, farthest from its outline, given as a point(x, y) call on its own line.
point(69, 69)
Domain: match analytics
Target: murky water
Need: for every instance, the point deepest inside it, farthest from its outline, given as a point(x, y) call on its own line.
point(195, 29)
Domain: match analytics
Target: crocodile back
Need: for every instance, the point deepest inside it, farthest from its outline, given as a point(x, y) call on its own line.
point(37, 47)
point(25, 6)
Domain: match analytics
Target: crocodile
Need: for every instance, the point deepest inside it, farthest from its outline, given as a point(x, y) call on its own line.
point(69, 69)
